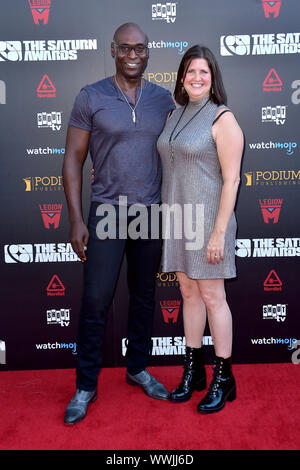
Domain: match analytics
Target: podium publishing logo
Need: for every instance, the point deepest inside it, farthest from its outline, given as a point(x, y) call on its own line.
point(272, 82)
point(46, 89)
point(51, 214)
point(272, 178)
point(55, 287)
point(170, 310)
point(43, 183)
point(270, 209)
point(166, 280)
point(40, 10)
point(164, 79)
point(271, 8)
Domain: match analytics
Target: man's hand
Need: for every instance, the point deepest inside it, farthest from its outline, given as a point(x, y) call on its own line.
point(79, 236)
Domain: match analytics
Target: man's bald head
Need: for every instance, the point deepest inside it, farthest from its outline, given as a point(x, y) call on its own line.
point(128, 28)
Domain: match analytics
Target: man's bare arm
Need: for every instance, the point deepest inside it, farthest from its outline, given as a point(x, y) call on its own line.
point(75, 156)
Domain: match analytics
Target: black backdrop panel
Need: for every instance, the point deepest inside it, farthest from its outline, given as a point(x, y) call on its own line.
point(48, 51)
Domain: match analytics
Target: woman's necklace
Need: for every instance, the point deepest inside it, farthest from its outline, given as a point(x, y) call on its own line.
point(132, 109)
point(171, 148)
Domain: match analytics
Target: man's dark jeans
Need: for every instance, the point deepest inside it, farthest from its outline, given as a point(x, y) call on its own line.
point(101, 271)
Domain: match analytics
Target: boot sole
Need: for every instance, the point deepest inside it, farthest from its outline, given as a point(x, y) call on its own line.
point(231, 396)
point(198, 388)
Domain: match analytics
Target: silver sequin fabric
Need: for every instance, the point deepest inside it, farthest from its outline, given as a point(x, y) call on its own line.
point(193, 181)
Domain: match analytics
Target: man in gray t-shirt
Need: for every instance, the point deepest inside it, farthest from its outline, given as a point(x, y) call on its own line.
point(118, 120)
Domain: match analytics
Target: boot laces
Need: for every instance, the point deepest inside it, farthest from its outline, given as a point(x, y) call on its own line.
point(187, 369)
point(217, 379)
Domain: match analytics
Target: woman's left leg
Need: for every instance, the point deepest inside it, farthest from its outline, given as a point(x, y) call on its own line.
point(222, 387)
point(219, 315)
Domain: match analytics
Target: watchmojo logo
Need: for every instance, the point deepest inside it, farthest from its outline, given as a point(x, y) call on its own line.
point(160, 44)
point(288, 147)
point(271, 8)
point(40, 10)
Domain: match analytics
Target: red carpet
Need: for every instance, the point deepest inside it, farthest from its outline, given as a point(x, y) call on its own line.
point(265, 415)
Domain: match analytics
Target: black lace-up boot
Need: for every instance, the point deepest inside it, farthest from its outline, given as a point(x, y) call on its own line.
point(221, 389)
point(194, 375)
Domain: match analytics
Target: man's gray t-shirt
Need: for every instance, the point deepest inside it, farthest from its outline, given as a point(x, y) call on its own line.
point(124, 153)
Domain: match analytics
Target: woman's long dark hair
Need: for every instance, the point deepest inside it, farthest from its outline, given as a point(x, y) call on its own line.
point(217, 93)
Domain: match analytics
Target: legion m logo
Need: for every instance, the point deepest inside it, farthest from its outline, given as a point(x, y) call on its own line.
point(270, 209)
point(40, 10)
point(271, 8)
point(170, 310)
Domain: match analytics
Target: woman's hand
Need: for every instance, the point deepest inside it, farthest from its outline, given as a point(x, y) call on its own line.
point(215, 248)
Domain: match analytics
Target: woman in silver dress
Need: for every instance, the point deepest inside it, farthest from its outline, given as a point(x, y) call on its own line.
point(201, 149)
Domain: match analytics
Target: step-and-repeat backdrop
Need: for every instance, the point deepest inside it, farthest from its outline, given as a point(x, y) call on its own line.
point(49, 49)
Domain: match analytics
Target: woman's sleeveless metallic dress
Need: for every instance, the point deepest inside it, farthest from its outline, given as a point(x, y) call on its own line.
point(194, 182)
